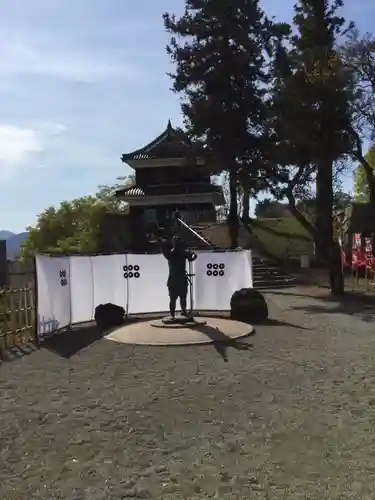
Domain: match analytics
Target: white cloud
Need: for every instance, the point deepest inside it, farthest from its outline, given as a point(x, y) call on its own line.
point(49, 129)
point(18, 145)
point(19, 58)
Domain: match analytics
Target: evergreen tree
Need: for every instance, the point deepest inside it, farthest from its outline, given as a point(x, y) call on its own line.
point(328, 94)
point(362, 186)
point(312, 105)
point(358, 55)
point(219, 50)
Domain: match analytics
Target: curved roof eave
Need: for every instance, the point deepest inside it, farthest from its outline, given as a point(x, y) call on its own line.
point(166, 134)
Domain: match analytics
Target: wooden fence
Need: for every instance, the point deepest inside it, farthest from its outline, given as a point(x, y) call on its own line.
point(17, 313)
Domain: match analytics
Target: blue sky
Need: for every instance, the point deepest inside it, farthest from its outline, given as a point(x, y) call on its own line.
point(82, 82)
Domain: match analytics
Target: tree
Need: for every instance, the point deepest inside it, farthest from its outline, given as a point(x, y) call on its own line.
point(223, 182)
point(308, 209)
point(106, 193)
point(358, 54)
point(362, 187)
point(74, 226)
point(250, 182)
point(270, 208)
point(218, 49)
point(311, 102)
point(341, 201)
point(246, 188)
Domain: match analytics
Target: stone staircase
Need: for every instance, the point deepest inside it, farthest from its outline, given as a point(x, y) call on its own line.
point(194, 242)
point(267, 274)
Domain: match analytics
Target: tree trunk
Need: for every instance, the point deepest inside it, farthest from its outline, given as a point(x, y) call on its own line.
point(324, 204)
point(336, 277)
point(328, 251)
point(371, 186)
point(233, 211)
point(310, 228)
point(245, 204)
point(301, 218)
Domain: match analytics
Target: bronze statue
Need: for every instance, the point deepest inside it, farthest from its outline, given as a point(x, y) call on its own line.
point(177, 254)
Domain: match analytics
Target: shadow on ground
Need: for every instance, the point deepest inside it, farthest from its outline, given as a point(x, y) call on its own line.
point(221, 341)
point(67, 344)
point(275, 322)
point(356, 303)
point(352, 303)
point(298, 294)
point(365, 312)
point(17, 351)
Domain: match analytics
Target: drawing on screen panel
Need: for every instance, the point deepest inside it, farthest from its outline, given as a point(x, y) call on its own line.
point(47, 326)
point(215, 269)
point(63, 280)
point(132, 271)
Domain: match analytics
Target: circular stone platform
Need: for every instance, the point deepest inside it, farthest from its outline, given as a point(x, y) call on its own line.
point(212, 330)
point(178, 322)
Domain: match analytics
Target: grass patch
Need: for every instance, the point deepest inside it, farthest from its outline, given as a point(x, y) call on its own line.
point(283, 237)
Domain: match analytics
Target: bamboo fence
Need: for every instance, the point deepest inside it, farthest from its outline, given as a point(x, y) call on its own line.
point(17, 313)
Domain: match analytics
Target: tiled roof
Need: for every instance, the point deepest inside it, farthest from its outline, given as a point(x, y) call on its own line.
point(168, 144)
point(133, 191)
point(166, 189)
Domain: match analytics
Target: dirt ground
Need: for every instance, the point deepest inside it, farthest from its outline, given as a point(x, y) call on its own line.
point(291, 415)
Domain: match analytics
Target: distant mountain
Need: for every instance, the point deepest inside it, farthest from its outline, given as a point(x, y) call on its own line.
point(4, 235)
point(14, 245)
point(14, 242)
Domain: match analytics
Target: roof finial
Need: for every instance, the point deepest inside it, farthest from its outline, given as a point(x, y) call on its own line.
point(169, 126)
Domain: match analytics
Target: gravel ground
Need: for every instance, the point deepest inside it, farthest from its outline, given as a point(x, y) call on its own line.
point(291, 415)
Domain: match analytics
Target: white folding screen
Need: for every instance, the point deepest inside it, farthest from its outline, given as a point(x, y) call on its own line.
point(109, 281)
point(53, 294)
point(217, 276)
point(82, 292)
point(97, 280)
point(70, 288)
point(147, 283)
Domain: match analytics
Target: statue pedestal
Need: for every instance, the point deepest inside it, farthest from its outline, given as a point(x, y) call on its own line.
point(178, 322)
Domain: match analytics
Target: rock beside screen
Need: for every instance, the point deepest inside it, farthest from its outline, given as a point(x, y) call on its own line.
point(109, 315)
point(248, 305)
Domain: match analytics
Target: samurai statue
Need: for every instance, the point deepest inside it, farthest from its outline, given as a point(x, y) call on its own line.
point(176, 253)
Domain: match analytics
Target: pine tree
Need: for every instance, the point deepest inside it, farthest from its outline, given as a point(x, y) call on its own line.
point(219, 50)
point(327, 92)
point(311, 102)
